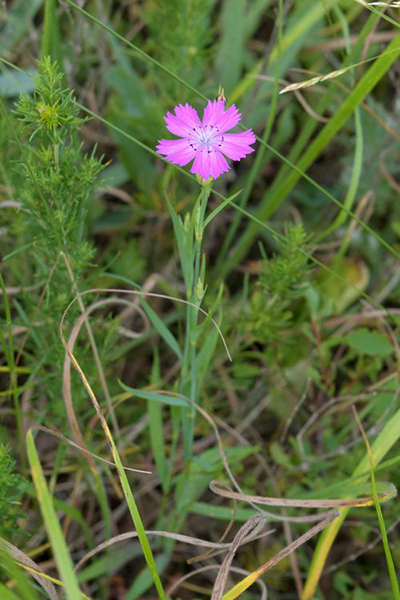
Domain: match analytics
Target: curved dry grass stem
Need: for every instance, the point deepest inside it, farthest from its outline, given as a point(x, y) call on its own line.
point(240, 493)
point(221, 489)
point(145, 294)
point(178, 537)
point(32, 568)
point(95, 350)
point(67, 393)
point(253, 524)
point(243, 585)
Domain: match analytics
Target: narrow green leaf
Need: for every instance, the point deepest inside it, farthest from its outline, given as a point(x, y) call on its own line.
point(155, 396)
point(157, 439)
point(383, 443)
point(161, 328)
point(230, 57)
point(184, 241)
point(53, 527)
point(51, 40)
point(220, 207)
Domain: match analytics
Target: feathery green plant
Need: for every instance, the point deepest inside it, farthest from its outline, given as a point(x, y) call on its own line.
point(11, 490)
point(55, 180)
point(283, 279)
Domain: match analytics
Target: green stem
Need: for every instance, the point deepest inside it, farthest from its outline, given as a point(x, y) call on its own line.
point(189, 383)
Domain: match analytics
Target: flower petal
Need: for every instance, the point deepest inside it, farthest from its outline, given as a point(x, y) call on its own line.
point(216, 115)
point(209, 163)
point(184, 120)
point(236, 145)
point(218, 164)
point(179, 152)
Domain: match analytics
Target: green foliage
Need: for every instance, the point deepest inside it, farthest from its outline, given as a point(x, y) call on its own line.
point(371, 343)
point(11, 489)
point(303, 352)
point(58, 176)
point(180, 33)
point(282, 281)
point(55, 179)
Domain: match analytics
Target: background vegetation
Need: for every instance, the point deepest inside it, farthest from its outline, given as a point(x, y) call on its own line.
point(217, 337)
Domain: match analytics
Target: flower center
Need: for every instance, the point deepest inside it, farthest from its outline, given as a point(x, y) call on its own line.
point(205, 135)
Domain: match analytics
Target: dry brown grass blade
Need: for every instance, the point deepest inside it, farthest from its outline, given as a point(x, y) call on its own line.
point(32, 568)
point(67, 393)
point(221, 489)
point(144, 294)
point(253, 524)
point(243, 585)
point(96, 354)
point(184, 539)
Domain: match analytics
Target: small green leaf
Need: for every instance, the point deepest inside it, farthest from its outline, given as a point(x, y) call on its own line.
point(280, 456)
point(371, 343)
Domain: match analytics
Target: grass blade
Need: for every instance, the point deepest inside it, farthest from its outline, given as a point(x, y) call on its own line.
point(359, 93)
point(53, 528)
point(382, 527)
point(51, 41)
point(384, 442)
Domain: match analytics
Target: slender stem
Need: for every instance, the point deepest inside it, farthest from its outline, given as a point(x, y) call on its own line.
point(189, 383)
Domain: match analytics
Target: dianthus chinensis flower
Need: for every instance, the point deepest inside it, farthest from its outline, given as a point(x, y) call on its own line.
point(205, 141)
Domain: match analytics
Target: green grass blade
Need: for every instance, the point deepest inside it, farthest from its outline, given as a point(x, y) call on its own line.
point(53, 527)
point(51, 40)
point(354, 181)
point(220, 207)
point(16, 574)
point(300, 144)
point(157, 439)
point(381, 520)
point(383, 443)
point(230, 56)
point(162, 329)
point(13, 391)
point(353, 100)
point(7, 594)
point(154, 396)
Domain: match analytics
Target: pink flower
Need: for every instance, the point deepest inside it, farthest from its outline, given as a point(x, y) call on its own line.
point(205, 141)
